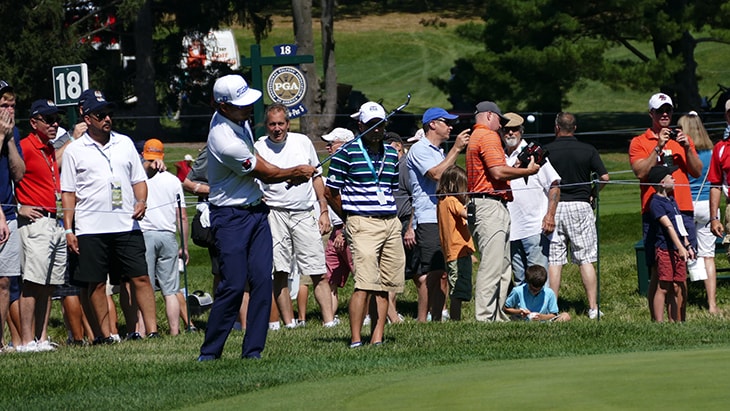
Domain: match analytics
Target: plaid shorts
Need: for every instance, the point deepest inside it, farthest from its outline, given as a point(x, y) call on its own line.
point(575, 225)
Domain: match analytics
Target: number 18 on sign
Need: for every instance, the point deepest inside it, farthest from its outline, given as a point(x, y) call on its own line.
point(68, 83)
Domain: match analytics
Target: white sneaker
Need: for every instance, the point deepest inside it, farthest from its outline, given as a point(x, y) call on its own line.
point(46, 346)
point(274, 326)
point(332, 323)
point(366, 321)
point(116, 337)
point(594, 313)
point(292, 324)
point(301, 323)
point(30, 347)
point(445, 315)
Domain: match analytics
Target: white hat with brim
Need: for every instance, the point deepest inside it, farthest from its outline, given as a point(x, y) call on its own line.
point(233, 89)
point(339, 134)
point(369, 111)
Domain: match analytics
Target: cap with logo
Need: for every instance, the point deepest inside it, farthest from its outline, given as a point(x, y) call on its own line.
point(233, 89)
point(4, 86)
point(369, 111)
point(658, 100)
point(153, 150)
point(43, 107)
point(93, 101)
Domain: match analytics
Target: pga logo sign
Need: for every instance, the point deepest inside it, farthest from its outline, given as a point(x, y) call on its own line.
point(286, 85)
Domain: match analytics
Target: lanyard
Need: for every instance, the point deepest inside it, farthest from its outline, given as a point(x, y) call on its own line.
point(52, 166)
point(370, 163)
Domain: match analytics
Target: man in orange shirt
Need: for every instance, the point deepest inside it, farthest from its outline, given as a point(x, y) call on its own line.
point(660, 144)
point(488, 177)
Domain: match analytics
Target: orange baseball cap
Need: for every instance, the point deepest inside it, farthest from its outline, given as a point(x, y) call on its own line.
point(153, 150)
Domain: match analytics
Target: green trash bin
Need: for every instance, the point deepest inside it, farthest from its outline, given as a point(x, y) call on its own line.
point(641, 268)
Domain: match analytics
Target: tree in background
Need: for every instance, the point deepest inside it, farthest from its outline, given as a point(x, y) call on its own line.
point(321, 97)
point(538, 50)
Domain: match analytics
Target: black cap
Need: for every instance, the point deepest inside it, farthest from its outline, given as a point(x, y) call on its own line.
point(4, 86)
point(657, 173)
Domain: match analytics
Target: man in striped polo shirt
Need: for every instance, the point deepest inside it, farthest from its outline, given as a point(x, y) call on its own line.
point(361, 181)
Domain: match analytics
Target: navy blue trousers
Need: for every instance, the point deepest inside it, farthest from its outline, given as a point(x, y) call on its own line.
point(243, 238)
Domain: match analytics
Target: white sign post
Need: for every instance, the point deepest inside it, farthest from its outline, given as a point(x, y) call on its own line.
point(68, 83)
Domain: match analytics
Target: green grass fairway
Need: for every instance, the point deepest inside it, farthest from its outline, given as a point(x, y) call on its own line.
point(695, 379)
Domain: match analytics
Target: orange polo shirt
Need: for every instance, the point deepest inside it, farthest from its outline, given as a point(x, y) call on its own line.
point(640, 148)
point(484, 152)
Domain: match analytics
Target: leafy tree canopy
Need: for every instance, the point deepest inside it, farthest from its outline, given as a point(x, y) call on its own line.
point(537, 50)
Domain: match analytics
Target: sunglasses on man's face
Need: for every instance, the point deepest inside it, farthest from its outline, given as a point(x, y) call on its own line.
point(50, 120)
point(102, 115)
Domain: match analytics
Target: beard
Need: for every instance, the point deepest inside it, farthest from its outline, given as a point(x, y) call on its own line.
point(511, 141)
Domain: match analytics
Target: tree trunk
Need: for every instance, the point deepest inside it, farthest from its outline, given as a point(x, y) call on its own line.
point(329, 103)
point(302, 12)
point(687, 88)
point(148, 122)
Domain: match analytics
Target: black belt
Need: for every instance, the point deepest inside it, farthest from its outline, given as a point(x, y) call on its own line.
point(489, 196)
point(48, 214)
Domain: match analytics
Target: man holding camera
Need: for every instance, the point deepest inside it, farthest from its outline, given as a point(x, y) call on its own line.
point(535, 199)
point(662, 144)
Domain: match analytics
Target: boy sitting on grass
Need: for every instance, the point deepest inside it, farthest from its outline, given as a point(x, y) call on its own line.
point(532, 301)
point(671, 246)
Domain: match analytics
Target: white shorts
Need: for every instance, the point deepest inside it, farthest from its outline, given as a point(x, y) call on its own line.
point(296, 238)
point(10, 252)
point(705, 238)
point(43, 259)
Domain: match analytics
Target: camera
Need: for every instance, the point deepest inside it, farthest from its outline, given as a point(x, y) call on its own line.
point(532, 150)
point(673, 133)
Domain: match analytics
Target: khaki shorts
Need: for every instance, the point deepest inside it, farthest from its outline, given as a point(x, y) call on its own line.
point(296, 238)
point(44, 251)
point(378, 257)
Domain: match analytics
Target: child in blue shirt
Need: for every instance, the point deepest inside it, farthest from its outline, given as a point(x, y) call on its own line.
point(671, 245)
point(532, 301)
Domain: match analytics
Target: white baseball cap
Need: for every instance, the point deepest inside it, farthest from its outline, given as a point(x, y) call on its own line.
point(658, 100)
point(339, 134)
point(233, 89)
point(369, 111)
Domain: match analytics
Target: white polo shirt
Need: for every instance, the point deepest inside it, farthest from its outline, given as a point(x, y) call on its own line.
point(530, 202)
point(231, 157)
point(162, 191)
point(90, 171)
point(295, 150)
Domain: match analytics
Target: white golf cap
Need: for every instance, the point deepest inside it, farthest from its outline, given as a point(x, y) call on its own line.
point(658, 100)
point(232, 89)
point(339, 134)
point(188, 157)
point(369, 111)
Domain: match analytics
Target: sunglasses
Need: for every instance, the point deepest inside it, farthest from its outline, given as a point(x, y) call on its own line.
point(50, 120)
point(515, 129)
point(445, 121)
point(102, 115)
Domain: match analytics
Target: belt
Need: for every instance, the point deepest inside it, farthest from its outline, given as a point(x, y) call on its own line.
point(242, 206)
point(48, 214)
point(488, 196)
point(379, 217)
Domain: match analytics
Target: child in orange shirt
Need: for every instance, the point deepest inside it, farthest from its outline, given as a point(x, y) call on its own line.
point(456, 241)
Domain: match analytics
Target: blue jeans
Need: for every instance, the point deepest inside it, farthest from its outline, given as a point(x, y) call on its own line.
point(533, 250)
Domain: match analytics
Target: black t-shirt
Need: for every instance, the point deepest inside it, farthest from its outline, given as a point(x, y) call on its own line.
point(574, 161)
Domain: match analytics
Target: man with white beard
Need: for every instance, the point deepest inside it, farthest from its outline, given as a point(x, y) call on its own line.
point(532, 212)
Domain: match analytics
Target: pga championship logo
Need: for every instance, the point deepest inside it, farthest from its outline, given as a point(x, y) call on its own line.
point(286, 85)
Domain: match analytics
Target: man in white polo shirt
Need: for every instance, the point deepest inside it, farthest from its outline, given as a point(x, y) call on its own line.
point(532, 210)
point(239, 219)
point(104, 194)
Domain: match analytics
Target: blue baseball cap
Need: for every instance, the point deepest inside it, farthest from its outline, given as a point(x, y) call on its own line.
point(435, 113)
point(93, 101)
point(43, 107)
